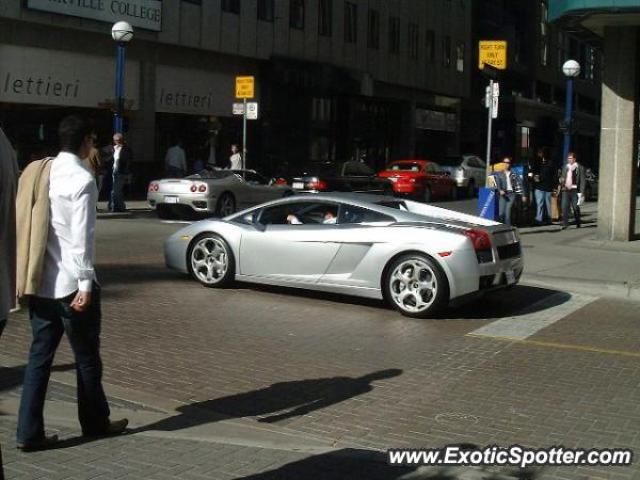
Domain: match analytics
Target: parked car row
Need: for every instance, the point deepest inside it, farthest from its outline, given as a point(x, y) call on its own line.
point(222, 192)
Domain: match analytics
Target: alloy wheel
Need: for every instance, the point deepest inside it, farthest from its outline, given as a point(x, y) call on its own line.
point(209, 260)
point(413, 285)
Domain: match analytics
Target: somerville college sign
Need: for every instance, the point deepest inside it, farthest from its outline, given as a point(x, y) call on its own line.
point(139, 13)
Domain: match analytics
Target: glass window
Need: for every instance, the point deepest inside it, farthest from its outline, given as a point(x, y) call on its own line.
point(430, 45)
point(446, 51)
point(357, 169)
point(405, 167)
point(300, 213)
point(265, 10)
point(358, 215)
point(296, 14)
point(231, 6)
point(254, 178)
point(544, 33)
point(460, 57)
point(350, 22)
point(413, 41)
point(394, 35)
point(373, 30)
point(325, 17)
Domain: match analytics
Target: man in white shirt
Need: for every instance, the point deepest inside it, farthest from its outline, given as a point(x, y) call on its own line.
point(175, 161)
point(235, 160)
point(68, 299)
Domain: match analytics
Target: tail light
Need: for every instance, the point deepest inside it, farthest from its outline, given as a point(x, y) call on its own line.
point(479, 238)
point(281, 181)
point(202, 188)
point(317, 184)
point(194, 188)
point(153, 187)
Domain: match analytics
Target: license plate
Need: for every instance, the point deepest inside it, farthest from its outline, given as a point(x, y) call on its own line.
point(298, 185)
point(511, 277)
point(168, 199)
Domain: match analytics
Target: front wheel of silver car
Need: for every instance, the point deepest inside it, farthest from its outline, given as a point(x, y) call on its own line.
point(416, 286)
point(211, 260)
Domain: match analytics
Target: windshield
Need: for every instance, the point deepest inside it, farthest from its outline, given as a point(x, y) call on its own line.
point(206, 173)
point(405, 167)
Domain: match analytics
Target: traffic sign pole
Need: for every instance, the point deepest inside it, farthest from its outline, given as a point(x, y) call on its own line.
point(489, 131)
point(244, 135)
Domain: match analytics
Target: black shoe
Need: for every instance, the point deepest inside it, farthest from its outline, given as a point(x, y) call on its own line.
point(42, 444)
point(114, 428)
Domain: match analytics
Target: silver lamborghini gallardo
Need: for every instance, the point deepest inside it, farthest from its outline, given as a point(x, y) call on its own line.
point(417, 257)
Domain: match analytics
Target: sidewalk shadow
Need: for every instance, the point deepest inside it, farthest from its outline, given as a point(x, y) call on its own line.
point(275, 403)
point(12, 377)
point(354, 463)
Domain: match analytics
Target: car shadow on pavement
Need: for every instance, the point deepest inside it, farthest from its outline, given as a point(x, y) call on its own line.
point(352, 463)
point(275, 403)
point(520, 300)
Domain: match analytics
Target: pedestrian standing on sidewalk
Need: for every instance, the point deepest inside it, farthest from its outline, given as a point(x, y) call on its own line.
point(119, 157)
point(510, 189)
point(8, 187)
point(175, 160)
point(94, 165)
point(56, 208)
point(235, 160)
point(544, 179)
point(573, 182)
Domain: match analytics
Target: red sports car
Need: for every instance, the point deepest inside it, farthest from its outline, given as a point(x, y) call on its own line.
point(419, 178)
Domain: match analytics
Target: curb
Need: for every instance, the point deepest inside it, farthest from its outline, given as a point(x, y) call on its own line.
point(619, 290)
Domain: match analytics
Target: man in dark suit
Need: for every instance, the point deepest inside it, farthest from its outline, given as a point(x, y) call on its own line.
point(118, 157)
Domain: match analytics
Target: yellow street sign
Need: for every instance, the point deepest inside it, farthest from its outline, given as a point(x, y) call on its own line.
point(492, 52)
point(244, 87)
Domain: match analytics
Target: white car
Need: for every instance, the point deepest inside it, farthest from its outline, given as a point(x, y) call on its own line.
point(212, 192)
point(417, 257)
point(468, 171)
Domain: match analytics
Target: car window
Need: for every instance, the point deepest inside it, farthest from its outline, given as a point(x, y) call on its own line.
point(480, 162)
point(300, 213)
point(254, 178)
point(357, 169)
point(405, 167)
point(357, 215)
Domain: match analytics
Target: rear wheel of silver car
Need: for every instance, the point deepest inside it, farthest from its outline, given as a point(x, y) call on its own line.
point(427, 195)
point(416, 286)
point(211, 260)
point(226, 205)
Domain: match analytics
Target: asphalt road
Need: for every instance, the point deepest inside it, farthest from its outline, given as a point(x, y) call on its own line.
point(532, 366)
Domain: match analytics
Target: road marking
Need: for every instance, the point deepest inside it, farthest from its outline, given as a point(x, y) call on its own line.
point(535, 317)
point(565, 346)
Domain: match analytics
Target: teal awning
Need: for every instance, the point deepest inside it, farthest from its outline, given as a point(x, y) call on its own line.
point(563, 8)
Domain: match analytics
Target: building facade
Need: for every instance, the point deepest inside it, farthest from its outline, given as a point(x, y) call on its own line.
point(335, 79)
point(615, 24)
point(532, 88)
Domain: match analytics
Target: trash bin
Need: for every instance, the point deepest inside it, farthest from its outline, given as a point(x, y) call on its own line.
point(488, 203)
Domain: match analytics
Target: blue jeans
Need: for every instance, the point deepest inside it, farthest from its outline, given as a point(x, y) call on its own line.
point(49, 320)
point(506, 206)
point(543, 200)
point(116, 200)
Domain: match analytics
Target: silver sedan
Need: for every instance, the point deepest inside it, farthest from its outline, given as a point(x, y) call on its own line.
point(417, 257)
point(212, 192)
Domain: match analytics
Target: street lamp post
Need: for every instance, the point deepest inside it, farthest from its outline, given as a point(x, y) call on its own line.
point(571, 70)
point(122, 33)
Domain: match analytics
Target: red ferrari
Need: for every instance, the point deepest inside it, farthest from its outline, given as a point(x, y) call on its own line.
point(421, 179)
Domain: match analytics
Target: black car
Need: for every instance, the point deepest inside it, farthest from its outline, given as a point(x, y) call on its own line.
point(349, 176)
